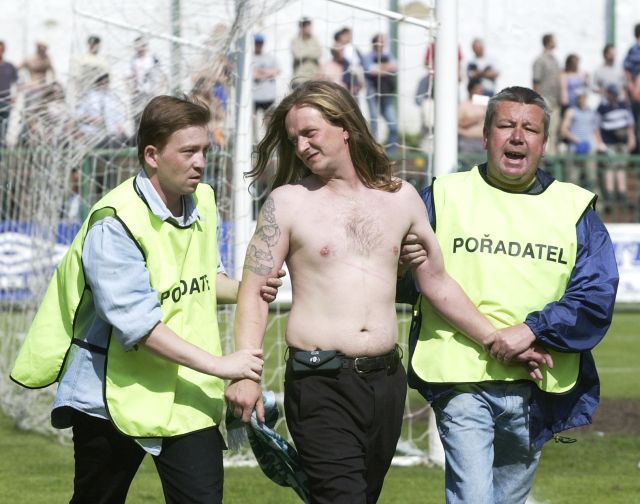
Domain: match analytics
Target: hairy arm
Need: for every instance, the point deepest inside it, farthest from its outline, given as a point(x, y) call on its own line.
point(264, 258)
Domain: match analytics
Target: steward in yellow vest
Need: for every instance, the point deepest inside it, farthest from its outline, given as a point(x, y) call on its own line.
point(146, 395)
point(534, 257)
point(508, 268)
point(128, 325)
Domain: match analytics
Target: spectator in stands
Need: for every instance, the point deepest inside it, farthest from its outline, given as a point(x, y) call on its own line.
point(265, 71)
point(381, 74)
point(306, 51)
point(40, 71)
point(146, 77)
point(353, 75)
point(572, 79)
point(471, 114)
point(617, 131)
point(546, 81)
point(482, 67)
point(580, 129)
point(631, 72)
point(8, 78)
point(333, 69)
point(338, 70)
point(86, 68)
point(424, 100)
point(39, 66)
point(101, 116)
point(608, 74)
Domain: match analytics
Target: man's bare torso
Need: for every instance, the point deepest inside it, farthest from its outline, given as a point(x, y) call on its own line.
point(343, 260)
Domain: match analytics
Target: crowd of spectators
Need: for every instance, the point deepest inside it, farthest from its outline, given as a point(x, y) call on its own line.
point(592, 114)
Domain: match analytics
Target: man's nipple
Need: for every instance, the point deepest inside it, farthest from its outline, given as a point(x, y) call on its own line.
point(325, 251)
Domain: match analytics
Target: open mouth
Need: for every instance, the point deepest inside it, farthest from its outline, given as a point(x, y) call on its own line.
point(515, 156)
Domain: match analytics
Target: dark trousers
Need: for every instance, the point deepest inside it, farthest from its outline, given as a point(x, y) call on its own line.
point(345, 427)
point(189, 466)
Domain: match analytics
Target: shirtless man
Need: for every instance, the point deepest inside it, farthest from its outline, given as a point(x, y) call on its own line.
point(39, 65)
point(471, 119)
point(338, 217)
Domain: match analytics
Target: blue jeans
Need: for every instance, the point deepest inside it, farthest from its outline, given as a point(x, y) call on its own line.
point(383, 105)
point(484, 428)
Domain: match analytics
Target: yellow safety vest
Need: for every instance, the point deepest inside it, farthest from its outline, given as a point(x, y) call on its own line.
point(145, 395)
point(512, 254)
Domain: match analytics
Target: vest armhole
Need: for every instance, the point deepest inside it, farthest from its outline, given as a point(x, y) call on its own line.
point(101, 214)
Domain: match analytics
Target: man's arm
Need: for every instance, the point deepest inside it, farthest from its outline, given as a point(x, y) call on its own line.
point(164, 342)
point(115, 271)
point(265, 255)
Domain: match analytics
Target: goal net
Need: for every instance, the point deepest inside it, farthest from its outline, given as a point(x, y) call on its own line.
point(64, 150)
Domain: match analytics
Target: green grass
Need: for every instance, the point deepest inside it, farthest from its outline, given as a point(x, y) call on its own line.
point(617, 357)
point(598, 469)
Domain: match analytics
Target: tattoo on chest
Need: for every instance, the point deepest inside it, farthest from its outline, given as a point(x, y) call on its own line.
point(259, 258)
point(363, 234)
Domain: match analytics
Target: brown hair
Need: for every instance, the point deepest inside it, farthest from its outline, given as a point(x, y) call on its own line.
point(164, 115)
point(517, 94)
point(338, 107)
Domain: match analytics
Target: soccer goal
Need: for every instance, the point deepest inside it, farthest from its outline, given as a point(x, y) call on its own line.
point(59, 160)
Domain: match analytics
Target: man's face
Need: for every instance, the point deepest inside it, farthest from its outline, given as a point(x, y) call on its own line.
point(515, 144)
point(320, 145)
point(378, 45)
point(478, 49)
point(177, 169)
point(552, 43)
point(610, 55)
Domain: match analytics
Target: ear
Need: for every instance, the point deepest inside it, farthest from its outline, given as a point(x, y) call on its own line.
point(151, 156)
point(345, 134)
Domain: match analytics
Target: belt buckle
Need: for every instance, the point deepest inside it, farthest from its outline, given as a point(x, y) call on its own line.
point(355, 365)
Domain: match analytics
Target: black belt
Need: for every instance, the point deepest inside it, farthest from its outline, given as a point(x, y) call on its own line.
point(367, 364)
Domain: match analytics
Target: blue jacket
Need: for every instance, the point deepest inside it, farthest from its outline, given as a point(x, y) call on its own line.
point(575, 323)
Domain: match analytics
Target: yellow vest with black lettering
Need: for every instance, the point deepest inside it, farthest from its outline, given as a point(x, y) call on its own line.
point(145, 395)
point(512, 254)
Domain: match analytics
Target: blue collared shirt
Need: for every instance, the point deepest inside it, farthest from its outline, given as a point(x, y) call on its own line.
point(124, 301)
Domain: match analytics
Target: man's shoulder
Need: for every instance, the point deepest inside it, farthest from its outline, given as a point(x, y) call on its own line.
point(289, 192)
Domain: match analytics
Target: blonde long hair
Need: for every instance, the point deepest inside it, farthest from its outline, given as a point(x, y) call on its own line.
point(338, 107)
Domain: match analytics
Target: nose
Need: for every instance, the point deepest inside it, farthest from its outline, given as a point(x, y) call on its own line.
point(302, 144)
point(200, 160)
point(517, 136)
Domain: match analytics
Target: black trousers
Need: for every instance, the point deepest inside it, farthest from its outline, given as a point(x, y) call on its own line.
point(345, 427)
point(189, 466)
